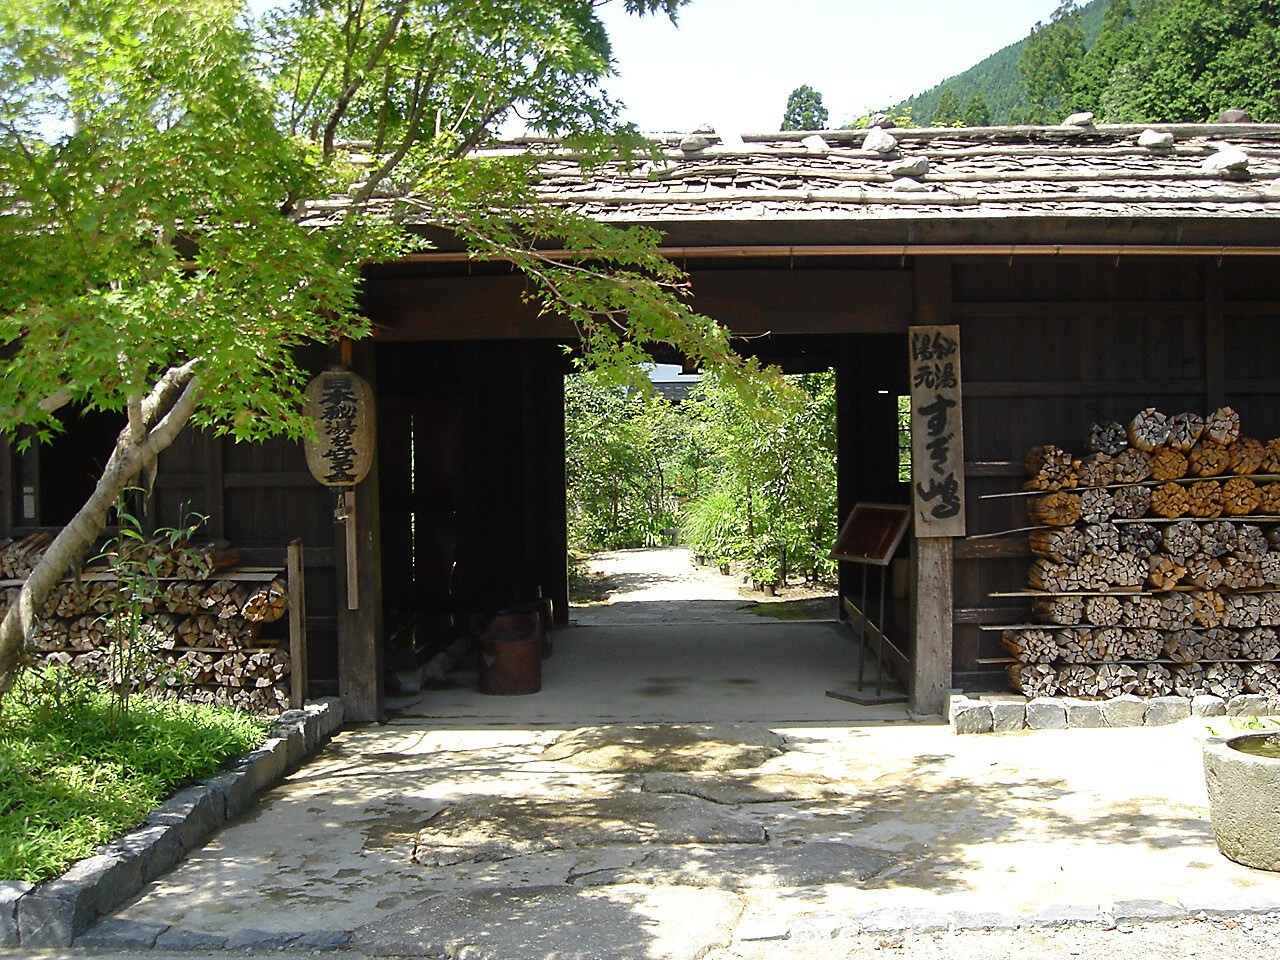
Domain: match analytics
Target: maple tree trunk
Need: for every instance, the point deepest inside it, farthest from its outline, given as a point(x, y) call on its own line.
point(168, 409)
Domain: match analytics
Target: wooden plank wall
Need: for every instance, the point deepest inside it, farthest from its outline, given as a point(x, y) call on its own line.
point(480, 520)
point(1054, 344)
point(260, 497)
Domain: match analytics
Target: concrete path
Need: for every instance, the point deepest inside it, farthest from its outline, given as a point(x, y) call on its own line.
point(771, 672)
point(662, 585)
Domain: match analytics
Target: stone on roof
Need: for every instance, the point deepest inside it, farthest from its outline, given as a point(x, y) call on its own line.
point(1164, 171)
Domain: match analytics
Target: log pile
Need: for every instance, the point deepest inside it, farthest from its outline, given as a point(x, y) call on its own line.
point(201, 628)
point(1152, 580)
point(19, 557)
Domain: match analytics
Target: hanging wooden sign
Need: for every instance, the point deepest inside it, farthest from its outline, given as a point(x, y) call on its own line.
point(340, 404)
point(937, 437)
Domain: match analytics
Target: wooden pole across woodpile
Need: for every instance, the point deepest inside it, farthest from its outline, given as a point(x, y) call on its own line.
point(1157, 562)
point(200, 621)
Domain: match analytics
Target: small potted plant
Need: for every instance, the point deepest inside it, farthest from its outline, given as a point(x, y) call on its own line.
point(1242, 773)
point(765, 574)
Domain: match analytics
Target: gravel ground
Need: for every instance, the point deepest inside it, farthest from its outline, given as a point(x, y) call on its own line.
point(1252, 937)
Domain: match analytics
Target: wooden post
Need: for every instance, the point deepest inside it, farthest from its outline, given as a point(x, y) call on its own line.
point(933, 599)
point(360, 629)
point(297, 627)
point(850, 474)
point(353, 564)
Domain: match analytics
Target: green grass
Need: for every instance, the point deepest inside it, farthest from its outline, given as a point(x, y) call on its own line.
point(75, 774)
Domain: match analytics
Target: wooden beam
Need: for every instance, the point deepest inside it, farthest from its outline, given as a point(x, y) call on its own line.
point(934, 567)
point(748, 302)
point(1073, 309)
point(1081, 388)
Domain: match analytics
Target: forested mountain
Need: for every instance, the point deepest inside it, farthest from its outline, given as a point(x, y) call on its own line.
point(1127, 61)
point(996, 79)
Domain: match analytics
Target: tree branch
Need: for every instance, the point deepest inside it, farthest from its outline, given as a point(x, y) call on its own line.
point(355, 82)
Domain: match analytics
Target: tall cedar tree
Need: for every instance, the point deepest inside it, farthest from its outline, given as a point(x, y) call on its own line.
point(804, 110)
point(976, 112)
point(948, 112)
point(1050, 62)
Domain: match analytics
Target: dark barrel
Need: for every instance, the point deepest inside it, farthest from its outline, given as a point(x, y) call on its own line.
point(511, 660)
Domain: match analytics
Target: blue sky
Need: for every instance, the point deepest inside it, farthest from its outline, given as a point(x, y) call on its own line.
point(732, 63)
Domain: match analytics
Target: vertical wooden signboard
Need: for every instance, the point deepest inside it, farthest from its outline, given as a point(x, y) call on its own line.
point(937, 438)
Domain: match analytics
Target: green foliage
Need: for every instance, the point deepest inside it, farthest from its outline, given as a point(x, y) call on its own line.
point(947, 112)
point(804, 110)
point(144, 172)
point(898, 116)
point(768, 494)
point(134, 664)
point(976, 111)
point(1049, 61)
point(1131, 61)
point(631, 462)
point(1113, 51)
point(1196, 58)
point(74, 775)
point(950, 111)
point(996, 78)
point(160, 161)
point(748, 481)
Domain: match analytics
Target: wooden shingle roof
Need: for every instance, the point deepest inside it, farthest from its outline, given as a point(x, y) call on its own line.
point(1211, 185)
point(972, 173)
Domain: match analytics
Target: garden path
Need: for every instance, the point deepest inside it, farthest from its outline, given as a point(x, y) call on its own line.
point(663, 585)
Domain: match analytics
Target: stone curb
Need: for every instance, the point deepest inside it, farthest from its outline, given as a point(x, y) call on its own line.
point(972, 714)
point(56, 913)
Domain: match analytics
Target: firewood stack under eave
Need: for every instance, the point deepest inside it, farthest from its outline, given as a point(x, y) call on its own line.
point(1159, 561)
point(203, 635)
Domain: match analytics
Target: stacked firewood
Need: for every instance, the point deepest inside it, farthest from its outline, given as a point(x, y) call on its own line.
point(19, 557)
point(201, 635)
point(1158, 559)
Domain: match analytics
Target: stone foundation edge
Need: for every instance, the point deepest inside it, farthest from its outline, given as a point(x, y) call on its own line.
point(976, 713)
point(55, 913)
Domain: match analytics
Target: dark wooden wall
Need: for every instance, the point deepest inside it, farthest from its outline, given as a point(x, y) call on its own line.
point(479, 519)
point(1051, 345)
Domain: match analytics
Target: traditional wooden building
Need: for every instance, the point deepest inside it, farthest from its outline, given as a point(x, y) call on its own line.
point(1089, 272)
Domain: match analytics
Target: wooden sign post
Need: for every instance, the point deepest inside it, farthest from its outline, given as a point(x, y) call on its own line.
point(340, 404)
point(937, 436)
point(937, 481)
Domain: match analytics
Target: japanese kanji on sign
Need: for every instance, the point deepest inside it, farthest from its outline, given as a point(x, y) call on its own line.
point(340, 405)
point(937, 438)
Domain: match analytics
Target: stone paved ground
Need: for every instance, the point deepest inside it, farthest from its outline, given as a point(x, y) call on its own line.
point(494, 831)
point(619, 842)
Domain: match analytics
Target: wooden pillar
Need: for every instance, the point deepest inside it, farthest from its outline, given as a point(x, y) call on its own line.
point(848, 452)
point(556, 521)
point(933, 601)
point(360, 629)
